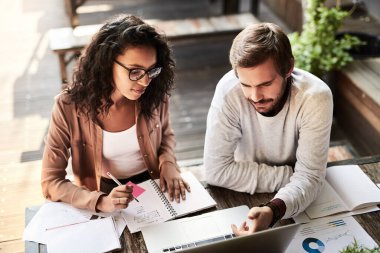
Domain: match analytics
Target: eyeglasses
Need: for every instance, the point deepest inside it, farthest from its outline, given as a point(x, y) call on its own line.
point(136, 74)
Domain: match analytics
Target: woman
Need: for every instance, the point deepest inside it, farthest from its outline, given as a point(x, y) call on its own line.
point(114, 118)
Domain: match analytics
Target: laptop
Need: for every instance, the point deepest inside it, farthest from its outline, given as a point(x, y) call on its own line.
point(211, 232)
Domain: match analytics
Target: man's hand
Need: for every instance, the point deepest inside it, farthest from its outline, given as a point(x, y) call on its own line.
point(171, 181)
point(261, 219)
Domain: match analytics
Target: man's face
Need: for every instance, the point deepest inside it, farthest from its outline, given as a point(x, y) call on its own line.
point(263, 87)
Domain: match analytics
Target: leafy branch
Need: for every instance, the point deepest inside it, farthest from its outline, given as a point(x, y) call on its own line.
point(316, 49)
point(356, 248)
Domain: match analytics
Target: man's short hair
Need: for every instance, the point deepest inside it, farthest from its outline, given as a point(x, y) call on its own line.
point(257, 42)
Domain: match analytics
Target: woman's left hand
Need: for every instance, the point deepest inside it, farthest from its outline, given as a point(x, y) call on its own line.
point(171, 181)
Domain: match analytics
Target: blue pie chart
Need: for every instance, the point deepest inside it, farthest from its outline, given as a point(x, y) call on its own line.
point(306, 245)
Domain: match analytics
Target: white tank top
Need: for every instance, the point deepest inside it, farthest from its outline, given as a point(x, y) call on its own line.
point(121, 154)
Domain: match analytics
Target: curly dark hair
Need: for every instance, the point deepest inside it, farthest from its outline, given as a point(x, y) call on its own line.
point(93, 82)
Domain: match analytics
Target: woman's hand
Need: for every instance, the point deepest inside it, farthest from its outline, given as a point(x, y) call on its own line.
point(119, 198)
point(171, 181)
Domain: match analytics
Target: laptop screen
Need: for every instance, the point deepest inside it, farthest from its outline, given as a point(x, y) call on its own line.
point(209, 229)
point(271, 240)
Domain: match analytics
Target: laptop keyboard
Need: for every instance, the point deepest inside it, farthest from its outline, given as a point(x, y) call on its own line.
point(198, 243)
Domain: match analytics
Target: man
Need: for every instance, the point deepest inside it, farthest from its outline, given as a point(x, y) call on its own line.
point(268, 127)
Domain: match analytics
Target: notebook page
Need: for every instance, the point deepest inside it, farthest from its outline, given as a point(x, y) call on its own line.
point(354, 187)
point(328, 202)
point(149, 210)
point(98, 235)
point(196, 200)
point(304, 218)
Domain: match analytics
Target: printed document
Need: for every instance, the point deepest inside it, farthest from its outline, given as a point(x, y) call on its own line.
point(329, 235)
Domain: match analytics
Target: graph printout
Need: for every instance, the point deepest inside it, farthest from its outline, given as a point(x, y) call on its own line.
point(329, 236)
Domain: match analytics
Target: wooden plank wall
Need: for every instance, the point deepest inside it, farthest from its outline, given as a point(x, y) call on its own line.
point(357, 104)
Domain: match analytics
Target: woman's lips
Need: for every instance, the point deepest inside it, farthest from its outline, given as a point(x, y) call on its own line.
point(139, 91)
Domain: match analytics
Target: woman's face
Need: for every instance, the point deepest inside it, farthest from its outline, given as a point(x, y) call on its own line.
point(134, 60)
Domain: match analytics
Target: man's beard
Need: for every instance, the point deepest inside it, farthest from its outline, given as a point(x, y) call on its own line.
point(278, 105)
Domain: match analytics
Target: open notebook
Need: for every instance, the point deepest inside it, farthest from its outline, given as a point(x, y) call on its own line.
point(154, 207)
point(346, 188)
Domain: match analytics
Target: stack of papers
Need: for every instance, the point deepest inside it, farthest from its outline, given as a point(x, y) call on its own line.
point(64, 228)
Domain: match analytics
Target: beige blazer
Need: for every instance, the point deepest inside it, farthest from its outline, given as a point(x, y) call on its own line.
point(72, 134)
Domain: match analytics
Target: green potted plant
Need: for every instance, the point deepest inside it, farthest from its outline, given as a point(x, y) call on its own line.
point(317, 49)
point(355, 247)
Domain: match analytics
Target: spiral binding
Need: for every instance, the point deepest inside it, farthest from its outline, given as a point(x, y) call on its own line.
point(164, 199)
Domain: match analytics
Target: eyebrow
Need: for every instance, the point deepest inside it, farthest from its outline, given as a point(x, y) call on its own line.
point(141, 67)
point(260, 84)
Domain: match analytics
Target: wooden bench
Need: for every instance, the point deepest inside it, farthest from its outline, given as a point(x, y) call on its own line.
point(68, 42)
point(228, 7)
point(357, 103)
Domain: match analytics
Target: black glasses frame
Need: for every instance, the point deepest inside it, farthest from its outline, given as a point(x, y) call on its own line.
point(152, 73)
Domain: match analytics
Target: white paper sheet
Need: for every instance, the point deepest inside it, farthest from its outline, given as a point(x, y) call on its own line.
point(95, 236)
point(52, 214)
point(303, 218)
point(329, 236)
point(56, 224)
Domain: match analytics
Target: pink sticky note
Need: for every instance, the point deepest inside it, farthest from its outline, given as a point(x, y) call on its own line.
point(137, 190)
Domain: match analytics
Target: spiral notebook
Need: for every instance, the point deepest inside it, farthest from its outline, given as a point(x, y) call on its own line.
point(155, 207)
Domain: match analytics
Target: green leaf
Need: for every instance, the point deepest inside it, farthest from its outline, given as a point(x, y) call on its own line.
point(355, 247)
point(316, 48)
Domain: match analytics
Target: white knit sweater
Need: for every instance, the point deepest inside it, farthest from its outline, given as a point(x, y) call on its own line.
point(248, 152)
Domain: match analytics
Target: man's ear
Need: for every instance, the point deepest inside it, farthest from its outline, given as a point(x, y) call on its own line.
point(291, 68)
point(236, 73)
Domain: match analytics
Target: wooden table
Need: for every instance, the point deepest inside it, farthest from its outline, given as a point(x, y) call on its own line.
point(227, 198)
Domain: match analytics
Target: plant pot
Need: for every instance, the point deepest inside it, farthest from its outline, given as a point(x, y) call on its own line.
point(371, 48)
point(330, 78)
